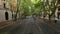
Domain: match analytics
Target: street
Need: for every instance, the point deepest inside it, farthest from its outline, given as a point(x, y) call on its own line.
point(28, 26)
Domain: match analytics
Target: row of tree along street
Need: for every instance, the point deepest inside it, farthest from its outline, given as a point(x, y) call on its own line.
point(34, 7)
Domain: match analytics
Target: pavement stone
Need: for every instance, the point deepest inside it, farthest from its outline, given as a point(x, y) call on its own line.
point(5, 23)
point(55, 26)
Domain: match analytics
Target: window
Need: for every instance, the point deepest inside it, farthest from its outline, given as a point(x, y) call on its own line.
point(4, 5)
point(58, 9)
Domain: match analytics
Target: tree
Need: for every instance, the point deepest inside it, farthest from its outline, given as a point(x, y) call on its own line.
point(52, 5)
point(13, 6)
point(48, 6)
point(37, 7)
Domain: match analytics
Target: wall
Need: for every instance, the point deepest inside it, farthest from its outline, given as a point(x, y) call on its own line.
point(2, 15)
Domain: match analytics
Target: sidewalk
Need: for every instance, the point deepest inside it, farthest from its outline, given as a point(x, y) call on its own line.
point(55, 26)
point(5, 23)
point(52, 24)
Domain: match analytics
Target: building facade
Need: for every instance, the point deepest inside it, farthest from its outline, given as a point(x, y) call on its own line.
point(3, 9)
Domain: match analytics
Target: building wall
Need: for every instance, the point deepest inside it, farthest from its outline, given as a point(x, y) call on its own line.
point(2, 15)
point(0, 2)
point(2, 12)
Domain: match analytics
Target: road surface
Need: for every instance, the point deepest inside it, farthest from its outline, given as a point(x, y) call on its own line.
point(28, 26)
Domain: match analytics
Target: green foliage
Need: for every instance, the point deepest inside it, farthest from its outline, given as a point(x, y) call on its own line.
point(36, 6)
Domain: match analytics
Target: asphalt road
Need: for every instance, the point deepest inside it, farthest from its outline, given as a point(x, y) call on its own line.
point(28, 26)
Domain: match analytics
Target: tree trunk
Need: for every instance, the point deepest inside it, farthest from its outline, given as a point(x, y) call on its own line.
point(49, 17)
point(12, 14)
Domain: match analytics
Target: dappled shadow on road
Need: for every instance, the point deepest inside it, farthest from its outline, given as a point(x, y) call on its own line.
point(46, 28)
point(29, 26)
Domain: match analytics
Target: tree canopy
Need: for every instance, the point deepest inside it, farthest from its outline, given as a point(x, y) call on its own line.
point(36, 6)
point(29, 7)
